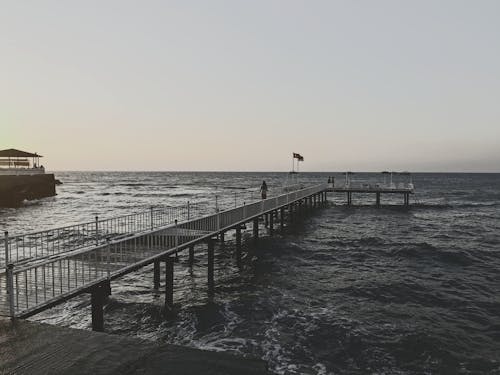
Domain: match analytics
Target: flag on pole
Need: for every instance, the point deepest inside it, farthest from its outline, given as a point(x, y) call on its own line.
point(298, 156)
point(301, 158)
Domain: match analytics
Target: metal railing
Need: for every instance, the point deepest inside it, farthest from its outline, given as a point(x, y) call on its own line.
point(100, 252)
point(38, 245)
point(375, 186)
point(41, 244)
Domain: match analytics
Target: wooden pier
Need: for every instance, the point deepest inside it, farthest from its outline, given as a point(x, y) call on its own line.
point(46, 268)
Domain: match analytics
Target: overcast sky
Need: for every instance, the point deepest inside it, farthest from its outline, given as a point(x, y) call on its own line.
point(240, 85)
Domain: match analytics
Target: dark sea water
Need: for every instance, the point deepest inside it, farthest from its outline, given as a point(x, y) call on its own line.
point(345, 290)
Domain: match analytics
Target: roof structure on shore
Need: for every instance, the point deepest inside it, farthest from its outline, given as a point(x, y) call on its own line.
point(13, 153)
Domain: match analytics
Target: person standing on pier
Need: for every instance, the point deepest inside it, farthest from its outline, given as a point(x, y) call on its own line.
point(263, 190)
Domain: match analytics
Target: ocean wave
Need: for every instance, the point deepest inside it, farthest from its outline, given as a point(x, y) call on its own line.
point(446, 206)
point(180, 195)
point(429, 252)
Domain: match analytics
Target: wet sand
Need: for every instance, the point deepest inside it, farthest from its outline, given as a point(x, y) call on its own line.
point(35, 348)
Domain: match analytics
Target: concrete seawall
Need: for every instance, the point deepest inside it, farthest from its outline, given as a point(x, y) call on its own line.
point(35, 348)
point(14, 189)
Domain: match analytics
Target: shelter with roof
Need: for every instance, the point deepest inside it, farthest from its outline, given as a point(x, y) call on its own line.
point(12, 158)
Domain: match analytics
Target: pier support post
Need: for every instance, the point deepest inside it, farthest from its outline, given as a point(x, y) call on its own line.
point(271, 223)
point(210, 273)
point(98, 297)
point(222, 237)
point(156, 275)
point(349, 198)
point(282, 218)
point(191, 255)
point(169, 283)
point(238, 245)
point(255, 228)
point(407, 199)
point(266, 220)
point(378, 199)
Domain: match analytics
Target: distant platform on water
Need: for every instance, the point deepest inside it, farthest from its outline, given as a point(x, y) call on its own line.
point(387, 186)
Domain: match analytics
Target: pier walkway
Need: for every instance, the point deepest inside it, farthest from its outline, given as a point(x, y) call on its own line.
point(40, 270)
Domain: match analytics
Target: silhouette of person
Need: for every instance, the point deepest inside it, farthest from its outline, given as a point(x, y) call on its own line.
point(263, 190)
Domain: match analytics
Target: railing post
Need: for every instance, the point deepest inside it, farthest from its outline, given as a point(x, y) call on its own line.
point(96, 230)
point(151, 217)
point(10, 288)
point(188, 211)
point(176, 238)
point(216, 203)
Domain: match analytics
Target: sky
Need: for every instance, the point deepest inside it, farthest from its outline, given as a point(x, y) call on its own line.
point(236, 85)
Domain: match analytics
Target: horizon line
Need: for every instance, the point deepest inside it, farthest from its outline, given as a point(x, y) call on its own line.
point(249, 171)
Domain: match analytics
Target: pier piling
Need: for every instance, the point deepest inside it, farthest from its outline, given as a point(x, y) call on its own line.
point(169, 283)
point(210, 273)
point(255, 228)
point(98, 296)
point(282, 218)
point(238, 245)
point(191, 255)
point(156, 275)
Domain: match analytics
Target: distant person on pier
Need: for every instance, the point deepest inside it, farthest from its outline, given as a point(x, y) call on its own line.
point(263, 190)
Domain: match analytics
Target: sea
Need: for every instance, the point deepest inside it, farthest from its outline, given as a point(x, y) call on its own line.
point(343, 290)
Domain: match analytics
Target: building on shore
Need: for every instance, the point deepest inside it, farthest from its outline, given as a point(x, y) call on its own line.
point(23, 177)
